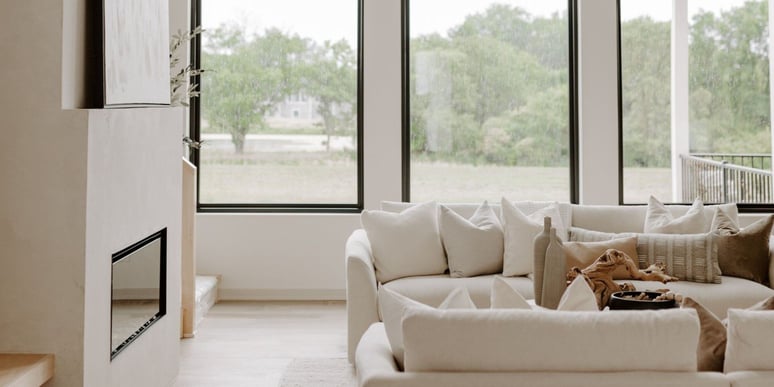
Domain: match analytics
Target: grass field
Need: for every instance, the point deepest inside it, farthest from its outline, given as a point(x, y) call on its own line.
point(334, 181)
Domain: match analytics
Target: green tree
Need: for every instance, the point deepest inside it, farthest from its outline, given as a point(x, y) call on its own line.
point(331, 78)
point(249, 78)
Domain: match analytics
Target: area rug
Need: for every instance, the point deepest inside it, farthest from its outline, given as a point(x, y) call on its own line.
point(319, 372)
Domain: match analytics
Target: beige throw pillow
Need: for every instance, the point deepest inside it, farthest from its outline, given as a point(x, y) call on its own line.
point(750, 345)
point(405, 244)
point(504, 296)
point(393, 306)
point(519, 231)
point(583, 254)
point(659, 220)
point(578, 297)
point(712, 337)
point(743, 252)
point(473, 246)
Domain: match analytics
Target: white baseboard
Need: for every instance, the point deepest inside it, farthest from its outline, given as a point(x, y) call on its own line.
point(282, 294)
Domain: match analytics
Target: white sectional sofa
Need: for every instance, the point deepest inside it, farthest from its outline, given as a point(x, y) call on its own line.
point(374, 359)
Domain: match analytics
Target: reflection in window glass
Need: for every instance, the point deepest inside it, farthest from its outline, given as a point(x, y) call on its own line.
point(489, 100)
point(279, 102)
point(729, 157)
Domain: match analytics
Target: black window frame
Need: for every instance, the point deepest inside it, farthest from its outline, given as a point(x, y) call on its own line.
point(195, 134)
point(742, 207)
point(574, 170)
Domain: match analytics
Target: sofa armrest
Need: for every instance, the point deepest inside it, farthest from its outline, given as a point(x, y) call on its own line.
point(361, 289)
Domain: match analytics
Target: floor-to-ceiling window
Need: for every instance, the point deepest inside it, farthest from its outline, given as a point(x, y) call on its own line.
point(278, 114)
point(488, 90)
point(695, 100)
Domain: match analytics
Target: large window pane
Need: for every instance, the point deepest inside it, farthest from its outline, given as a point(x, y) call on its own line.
point(728, 157)
point(489, 100)
point(279, 102)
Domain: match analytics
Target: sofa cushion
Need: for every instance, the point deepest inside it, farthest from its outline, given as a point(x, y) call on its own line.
point(519, 231)
point(405, 244)
point(621, 219)
point(733, 293)
point(498, 340)
point(394, 306)
point(473, 246)
point(583, 254)
point(431, 290)
point(743, 252)
point(659, 220)
point(750, 344)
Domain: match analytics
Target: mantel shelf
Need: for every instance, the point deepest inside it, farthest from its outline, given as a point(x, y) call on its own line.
point(17, 369)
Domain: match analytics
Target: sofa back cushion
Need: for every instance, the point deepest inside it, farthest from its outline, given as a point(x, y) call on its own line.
point(622, 219)
point(526, 340)
point(750, 344)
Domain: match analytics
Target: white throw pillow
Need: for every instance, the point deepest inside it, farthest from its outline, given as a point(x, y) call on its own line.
point(393, 306)
point(473, 246)
point(750, 343)
point(519, 231)
point(504, 296)
point(405, 244)
point(659, 220)
point(578, 297)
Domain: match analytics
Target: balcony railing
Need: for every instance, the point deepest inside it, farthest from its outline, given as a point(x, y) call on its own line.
point(723, 178)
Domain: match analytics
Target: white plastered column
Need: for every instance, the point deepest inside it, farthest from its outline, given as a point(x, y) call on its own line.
point(680, 94)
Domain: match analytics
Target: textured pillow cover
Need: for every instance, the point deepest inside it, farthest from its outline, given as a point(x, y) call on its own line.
point(659, 220)
point(519, 234)
point(393, 306)
point(712, 337)
point(583, 254)
point(743, 252)
point(689, 257)
point(473, 246)
point(405, 244)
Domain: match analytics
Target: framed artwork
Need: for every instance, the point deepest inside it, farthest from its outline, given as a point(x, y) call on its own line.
point(136, 52)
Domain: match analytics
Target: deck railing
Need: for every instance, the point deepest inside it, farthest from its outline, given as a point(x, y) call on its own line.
point(723, 178)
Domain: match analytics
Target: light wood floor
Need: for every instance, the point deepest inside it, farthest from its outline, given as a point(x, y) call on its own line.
point(251, 343)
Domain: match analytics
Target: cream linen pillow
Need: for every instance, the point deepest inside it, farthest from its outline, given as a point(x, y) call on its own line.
point(578, 297)
point(519, 234)
point(473, 246)
point(659, 220)
point(504, 296)
point(405, 244)
point(750, 344)
point(393, 306)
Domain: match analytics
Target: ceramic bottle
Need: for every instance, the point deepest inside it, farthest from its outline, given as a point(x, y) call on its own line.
point(539, 259)
point(554, 272)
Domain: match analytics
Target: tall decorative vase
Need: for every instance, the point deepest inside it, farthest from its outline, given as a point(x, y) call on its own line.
point(554, 273)
point(539, 259)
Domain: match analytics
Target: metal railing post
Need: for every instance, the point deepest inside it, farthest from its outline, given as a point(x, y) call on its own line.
point(725, 180)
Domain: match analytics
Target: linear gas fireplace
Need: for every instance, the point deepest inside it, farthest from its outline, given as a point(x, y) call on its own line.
point(138, 297)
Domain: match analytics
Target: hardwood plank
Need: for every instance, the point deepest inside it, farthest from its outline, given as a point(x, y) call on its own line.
point(249, 343)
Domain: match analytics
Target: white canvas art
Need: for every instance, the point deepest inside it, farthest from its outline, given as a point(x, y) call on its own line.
point(136, 49)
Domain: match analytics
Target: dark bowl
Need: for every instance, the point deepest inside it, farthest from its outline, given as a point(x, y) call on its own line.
point(617, 301)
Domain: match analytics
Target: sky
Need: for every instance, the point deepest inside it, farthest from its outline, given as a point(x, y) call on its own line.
point(337, 19)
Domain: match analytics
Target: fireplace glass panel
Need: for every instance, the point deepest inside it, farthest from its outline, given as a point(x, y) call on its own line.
point(138, 290)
